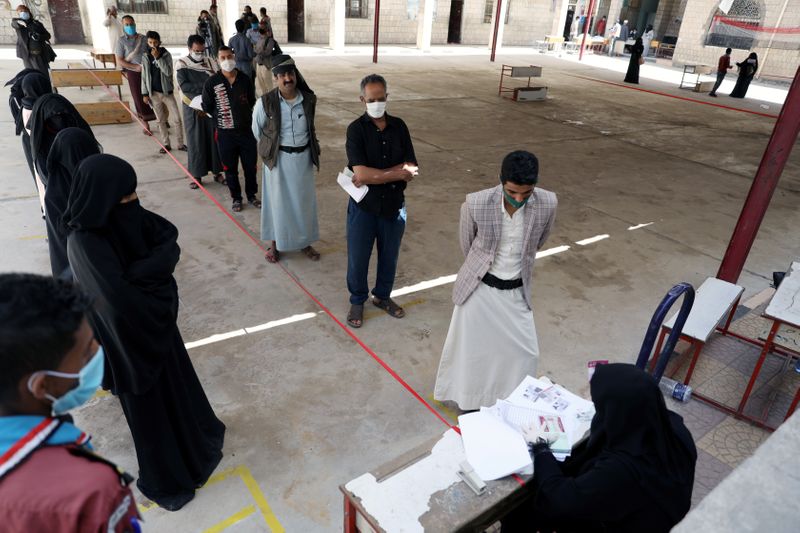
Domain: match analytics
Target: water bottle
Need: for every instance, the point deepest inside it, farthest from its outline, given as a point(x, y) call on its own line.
point(675, 389)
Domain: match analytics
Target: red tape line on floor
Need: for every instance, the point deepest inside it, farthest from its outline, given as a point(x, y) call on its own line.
point(659, 93)
point(291, 276)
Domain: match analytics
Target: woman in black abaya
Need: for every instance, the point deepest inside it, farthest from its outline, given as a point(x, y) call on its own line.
point(634, 473)
point(632, 76)
point(70, 147)
point(747, 70)
point(125, 256)
point(25, 88)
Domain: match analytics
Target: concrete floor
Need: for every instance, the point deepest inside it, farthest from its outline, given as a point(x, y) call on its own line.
point(306, 407)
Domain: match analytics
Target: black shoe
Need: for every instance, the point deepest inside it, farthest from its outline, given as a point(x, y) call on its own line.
point(237, 206)
point(255, 202)
point(712, 94)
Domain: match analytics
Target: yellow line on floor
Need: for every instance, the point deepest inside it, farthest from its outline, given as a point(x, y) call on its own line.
point(231, 520)
point(381, 312)
point(449, 413)
point(32, 237)
point(255, 491)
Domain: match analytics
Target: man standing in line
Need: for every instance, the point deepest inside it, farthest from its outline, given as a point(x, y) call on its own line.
point(243, 49)
point(157, 88)
point(283, 123)
point(491, 344)
point(129, 51)
point(722, 70)
point(614, 34)
point(32, 37)
point(216, 28)
point(193, 71)
point(228, 96)
point(381, 156)
point(113, 27)
point(265, 50)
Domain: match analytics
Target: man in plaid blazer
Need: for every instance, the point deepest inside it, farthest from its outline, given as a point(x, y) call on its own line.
point(492, 345)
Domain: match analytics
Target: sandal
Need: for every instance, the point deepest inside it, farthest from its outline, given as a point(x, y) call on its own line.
point(389, 306)
point(183, 148)
point(164, 150)
point(255, 202)
point(311, 253)
point(272, 255)
point(237, 206)
point(355, 318)
point(194, 183)
point(219, 178)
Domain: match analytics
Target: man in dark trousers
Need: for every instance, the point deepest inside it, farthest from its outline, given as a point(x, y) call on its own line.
point(50, 363)
point(381, 156)
point(129, 49)
point(32, 37)
point(723, 67)
point(229, 96)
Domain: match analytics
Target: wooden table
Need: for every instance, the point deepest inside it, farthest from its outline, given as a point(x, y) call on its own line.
point(784, 308)
point(103, 57)
point(698, 70)
point(420, 491)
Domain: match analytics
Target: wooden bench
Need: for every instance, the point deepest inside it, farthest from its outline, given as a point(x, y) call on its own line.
point(713, 301)
point(103, 57)
point(93, 112)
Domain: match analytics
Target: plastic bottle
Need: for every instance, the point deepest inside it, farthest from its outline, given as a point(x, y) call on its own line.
point(675, 389)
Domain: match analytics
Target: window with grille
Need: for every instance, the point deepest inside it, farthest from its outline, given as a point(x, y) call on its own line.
point(488, 11)
point(735, 29)
point(356, 9)
point(142, 6)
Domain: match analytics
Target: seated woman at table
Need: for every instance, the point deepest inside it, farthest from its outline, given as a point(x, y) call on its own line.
point(635, 472)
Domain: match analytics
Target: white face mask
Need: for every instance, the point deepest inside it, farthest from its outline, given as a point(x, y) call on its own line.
point(376, 109)
point(228, 65)
point(197, 56)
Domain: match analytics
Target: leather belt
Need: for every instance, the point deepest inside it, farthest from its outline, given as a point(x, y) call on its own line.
point(293, 149)
point(501, 284)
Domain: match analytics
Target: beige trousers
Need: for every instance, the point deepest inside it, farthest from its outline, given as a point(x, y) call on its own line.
point(166, 107)
point(264, 79)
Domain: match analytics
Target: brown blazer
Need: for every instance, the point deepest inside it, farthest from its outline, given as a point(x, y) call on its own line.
point(481, 224)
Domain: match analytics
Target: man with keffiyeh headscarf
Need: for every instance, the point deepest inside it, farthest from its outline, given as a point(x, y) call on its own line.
point(283, 123)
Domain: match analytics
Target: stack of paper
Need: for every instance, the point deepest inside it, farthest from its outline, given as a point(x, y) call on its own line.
point(345, 180)
point(493, 437)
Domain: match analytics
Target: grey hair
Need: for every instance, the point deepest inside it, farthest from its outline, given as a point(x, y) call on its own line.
point(372, 78)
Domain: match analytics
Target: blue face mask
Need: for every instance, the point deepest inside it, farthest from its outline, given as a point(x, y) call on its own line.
point(130, 30)
point(25, 15)
point(89, 378)
point(254, 26)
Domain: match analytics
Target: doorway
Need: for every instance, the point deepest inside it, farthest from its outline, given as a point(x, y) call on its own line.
point(296, 21)
point(66, 17)
point(568, 23)
point(454, 29)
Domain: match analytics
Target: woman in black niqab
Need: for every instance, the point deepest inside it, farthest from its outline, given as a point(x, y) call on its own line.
point(637, 49)
point(51, 114)
point(70, 147)
point(747, 70)
point(125, 256)
point(635, 472)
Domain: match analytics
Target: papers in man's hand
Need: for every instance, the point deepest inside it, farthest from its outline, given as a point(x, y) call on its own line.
point(345, 180)
point(493, 437)
point(197, 103)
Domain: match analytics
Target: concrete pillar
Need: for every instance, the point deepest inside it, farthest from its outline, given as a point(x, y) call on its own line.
point(337, 31)
point(228, 15)
point(501, 27)
point(425, 26)
point(96, 10)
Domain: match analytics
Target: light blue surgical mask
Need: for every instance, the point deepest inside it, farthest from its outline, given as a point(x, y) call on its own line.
point(89, 378)
point(130, 30)
point(25, 15)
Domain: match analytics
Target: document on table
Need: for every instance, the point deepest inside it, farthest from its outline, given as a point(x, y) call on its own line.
point(345, 180)
point(494, 449)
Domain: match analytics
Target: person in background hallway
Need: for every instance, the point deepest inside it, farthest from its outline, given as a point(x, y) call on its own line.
point(192, 72)
point(613, 36)
point(124, 256)
point(129, 51)
point(283, 123)
point(647, 38)
point(747, 70)
point(723, 66)
point(51, 113)
point(212, 10)
point(157, 89)
point(624, 32)
point(381, 155)
point(206, 28)
point(265, 20)
point(600, 29)
point(243, 49)
point(265, 50)
point(25, 88)
point(632, 76)
point(228, 96)
point(50, 363)
point(575, 29)
point(492, 343)
point(32, 40)
point(246, 14)
point(113, 26)
point(70, 147)
point(635, 471)
point(252, 32)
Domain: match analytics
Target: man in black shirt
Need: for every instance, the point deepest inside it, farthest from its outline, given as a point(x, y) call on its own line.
point(228, 96)
point(381, 156)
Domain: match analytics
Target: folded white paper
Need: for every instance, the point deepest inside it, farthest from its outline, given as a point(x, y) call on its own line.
point(493, 448)
point(345, 180)
point(197, 103)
